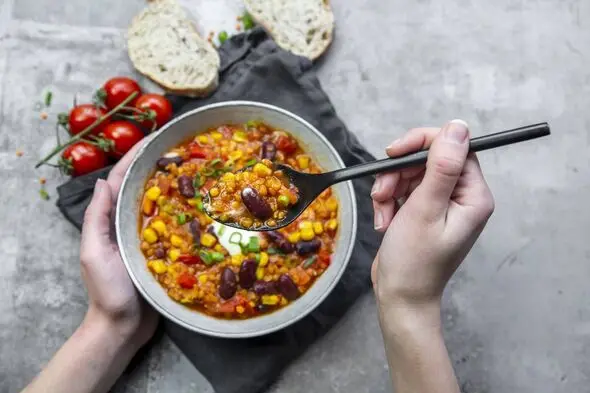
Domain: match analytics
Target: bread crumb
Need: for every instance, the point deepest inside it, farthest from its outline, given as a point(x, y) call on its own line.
point(19, 153)
point(43, 115)
point(42, 180)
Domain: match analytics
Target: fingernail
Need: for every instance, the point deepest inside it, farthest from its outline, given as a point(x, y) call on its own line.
point(394, 143)
point(378, 219)
point(377, 186)
point(456, 131)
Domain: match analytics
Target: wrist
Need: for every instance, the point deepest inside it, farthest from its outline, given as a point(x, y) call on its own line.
point(399, 317)
point(120, 333)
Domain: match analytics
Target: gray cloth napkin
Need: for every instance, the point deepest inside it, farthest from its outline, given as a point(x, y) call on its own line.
point(254, 68)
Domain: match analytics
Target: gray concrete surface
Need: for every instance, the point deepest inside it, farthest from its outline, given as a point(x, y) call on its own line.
point(516, 314)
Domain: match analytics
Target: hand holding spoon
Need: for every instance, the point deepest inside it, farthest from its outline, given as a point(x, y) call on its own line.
point(309, 186)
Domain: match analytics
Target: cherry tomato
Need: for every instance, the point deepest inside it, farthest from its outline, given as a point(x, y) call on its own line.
point(82, 157)
point(285, 144)
point(124, 135)
point(118, 89)
point(82, 116)
point(157, 103)
point(186, 280)
point(197, 151)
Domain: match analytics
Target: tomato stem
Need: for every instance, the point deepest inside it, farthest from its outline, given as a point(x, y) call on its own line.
point(87, 130)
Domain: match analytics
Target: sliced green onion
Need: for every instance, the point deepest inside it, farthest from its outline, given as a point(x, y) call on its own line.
point(247, 21)
point(181, 219)
point(222, 36)
point(208, 171)
point(217, 256)
point(205, 257)
point(198, 181)
point(309, 261)
point(251, 162)
point(232, 237)
point(215, 162)
point(44, 194)
point(257, 257)
point(252, 124)
point(254, 244)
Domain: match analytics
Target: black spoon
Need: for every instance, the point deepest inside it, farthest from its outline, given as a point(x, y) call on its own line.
point(310, 186)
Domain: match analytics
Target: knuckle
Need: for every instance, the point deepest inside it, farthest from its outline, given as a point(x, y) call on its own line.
point(448, 166)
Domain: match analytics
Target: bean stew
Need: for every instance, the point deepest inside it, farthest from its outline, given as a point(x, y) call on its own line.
point(218, 270)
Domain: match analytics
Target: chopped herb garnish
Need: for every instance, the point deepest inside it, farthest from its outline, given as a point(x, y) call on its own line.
point(252, 124)
point(198, 181)
point(44, 194)
point(309, 261)
point(215, 162)
point(162, 67)
point(247, 21)
point(257, 257)
point(206, 257)
point(200, 205)
point(254, 244)
point(272, 251)
point(48, 98)
point(181, 219)
point(217, 256)
point(222, 36)
point(221, 230)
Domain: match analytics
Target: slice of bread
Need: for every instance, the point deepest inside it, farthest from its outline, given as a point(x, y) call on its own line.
point(304, 27)
point(165, 46)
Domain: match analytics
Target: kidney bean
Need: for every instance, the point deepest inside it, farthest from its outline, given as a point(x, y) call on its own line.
point(280, 240)
point(185, 186)
point(160, 252)
point(288, 288)
point(304, 248)
point(255, 204)
point(211, 230)
point(247, 273)
point(268, 151)
point(195, 228)
point(228, 283)
point(265, 287)
point(163, 162)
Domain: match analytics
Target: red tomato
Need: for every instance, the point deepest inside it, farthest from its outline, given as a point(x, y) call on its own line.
point(186, 280)
point(189, 259)
point(124, 135)
point(118, 89)
point(82, 116)
point(159, 105)
point(82, 157)
point(285, 144)
point(196, 151)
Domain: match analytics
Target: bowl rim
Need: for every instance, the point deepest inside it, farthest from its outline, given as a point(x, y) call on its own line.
point(161, 309)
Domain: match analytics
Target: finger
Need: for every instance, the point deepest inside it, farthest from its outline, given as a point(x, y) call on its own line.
point(384, 213)
point(96, 227)
point(414, 140)
point(118, 172)
point(384, 187)
point(472, 189)
point(446, 159)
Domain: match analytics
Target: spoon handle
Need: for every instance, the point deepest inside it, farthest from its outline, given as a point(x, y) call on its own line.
point(413, 159)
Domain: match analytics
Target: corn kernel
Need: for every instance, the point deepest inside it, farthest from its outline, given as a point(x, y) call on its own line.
point(237, 259)
point(176, 241)
point(305, 225)
point(218, 247)
point(153, 193)
point(208, 240)
point(150, 236)
point(161, 200)
point(193, 202)
point(203, 278)
point(307, 234)
point(270, 300)
point(158, 266)
point(294, 237)
point(303, 161)
point(283, 301)
point(261, 170)
point(228, 177)
point(239, 136)
point(159, 226)
point(259, 273)
point(236, 155)
point(173, 254)
point(318, 228)
point(263, 259)
point(203, 139)
point(331, 225)
point(214, 192)
point(147, 207)
point(332, 204)
point(217, 136)
point(240, 309)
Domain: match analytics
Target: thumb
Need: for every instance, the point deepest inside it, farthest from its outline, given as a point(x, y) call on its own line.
point(97, 220)
point(444, 166)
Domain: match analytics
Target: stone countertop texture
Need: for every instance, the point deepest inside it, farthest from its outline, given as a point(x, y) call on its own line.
point(516, 314)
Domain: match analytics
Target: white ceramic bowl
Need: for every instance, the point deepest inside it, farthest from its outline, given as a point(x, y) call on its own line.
point(174, 133)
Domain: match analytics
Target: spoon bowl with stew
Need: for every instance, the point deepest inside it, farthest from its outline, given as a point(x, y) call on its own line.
point(307, 187)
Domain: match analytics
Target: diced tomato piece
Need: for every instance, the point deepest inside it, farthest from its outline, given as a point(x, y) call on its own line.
point(164, 185)
point(186, 280)
point(229, 306)
point(285, 144)
point(196, 151)
point(324, 257)
point(189, 259)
